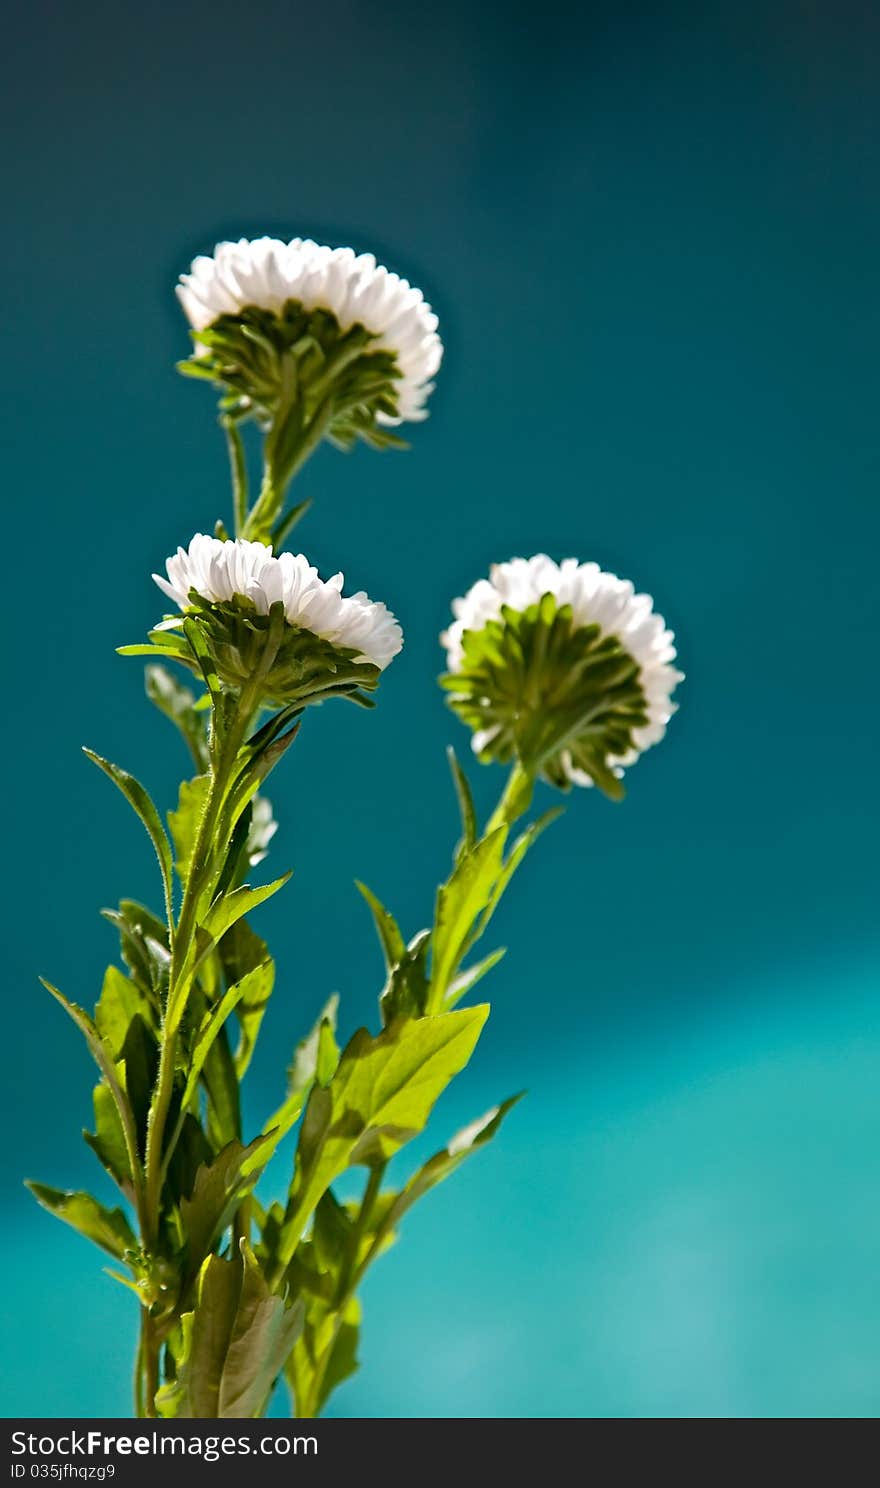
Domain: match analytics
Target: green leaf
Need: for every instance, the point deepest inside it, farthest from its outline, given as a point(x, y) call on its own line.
point(380, 1097)
point(107, 1141)
point(224, 1096)
point(143, 941)
point(102, 1056)
point(301, 1077)
point(515, 857)
point(138, 1066)
point(179, 705)
point(445, 1162)
point(243, 953)
point(304, 1065)
point(217, 1192)
point(108, 1228)
point(405, 993)
point(231, 907)
point(459, 902)
point(327, 1060)
point(465, 802)
point(390, 938)
point(138, 798)
point(301, 1374)
point(208, 1030)
point(121, 1000)
point(184, 823)
point(467, 979)
point(234, 1344)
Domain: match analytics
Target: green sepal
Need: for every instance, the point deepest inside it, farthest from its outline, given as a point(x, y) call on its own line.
point(550, 693)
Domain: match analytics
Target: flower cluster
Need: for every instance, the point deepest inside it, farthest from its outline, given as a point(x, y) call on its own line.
point(295, 279)
point(223, 571)
point(236, 588)
point(563, 666)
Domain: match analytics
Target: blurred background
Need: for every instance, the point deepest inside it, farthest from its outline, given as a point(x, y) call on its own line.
point(651, 235)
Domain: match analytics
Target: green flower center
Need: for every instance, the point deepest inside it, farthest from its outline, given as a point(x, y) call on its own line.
point(549, 693)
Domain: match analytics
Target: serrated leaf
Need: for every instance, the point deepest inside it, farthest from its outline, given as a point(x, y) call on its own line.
point(108, 1228)
point(142, 804)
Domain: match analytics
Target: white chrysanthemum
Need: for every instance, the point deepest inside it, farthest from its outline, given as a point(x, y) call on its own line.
point(596, 598)
point(266, 273)
point(219, 571)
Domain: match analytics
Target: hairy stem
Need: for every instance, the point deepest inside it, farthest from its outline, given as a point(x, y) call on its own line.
point(203, 872)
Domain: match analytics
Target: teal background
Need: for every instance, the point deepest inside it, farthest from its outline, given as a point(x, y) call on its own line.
point(651, 235)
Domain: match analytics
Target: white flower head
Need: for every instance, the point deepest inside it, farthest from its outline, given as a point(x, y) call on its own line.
point(564, 660)
point(221, 571)
point(266, 273)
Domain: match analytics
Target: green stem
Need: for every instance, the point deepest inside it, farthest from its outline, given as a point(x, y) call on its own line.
point(348, 1271)
point(516, 799)
point(203, 871)
point(238, 468)
point(148, 1367)
point(348, 1279)
point(275, 481)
